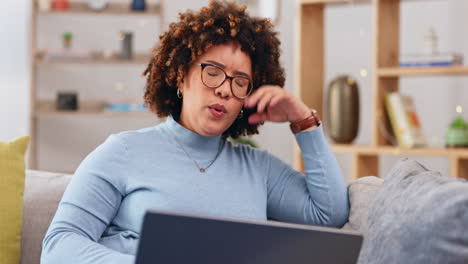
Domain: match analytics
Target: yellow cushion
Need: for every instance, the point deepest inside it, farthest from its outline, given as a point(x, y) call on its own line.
point(12, 171)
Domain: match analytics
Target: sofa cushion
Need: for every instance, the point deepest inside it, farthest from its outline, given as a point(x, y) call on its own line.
point(42, 194)
point(361, 192)
point(12, 171)
point(418, 216)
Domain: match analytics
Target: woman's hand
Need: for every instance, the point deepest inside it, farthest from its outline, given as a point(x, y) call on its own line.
point(275, 104)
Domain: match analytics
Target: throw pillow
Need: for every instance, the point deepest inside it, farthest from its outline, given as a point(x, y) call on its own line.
point(418, 216)
point(12, 170)
point(361, 192)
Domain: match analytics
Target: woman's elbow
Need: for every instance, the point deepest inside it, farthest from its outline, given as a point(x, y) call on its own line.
point(50, 246)
point(340, 215)
point(47, 247)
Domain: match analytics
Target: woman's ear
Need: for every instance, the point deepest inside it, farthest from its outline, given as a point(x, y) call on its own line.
point(180, 84)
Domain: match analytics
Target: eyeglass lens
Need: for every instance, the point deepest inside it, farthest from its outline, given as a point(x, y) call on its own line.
point(213, 77)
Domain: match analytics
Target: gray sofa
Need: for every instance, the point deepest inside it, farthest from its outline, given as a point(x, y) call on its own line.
point(43, 191)
point(414, 215)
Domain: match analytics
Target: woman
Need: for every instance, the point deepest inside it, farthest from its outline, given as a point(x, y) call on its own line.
point(215, 74)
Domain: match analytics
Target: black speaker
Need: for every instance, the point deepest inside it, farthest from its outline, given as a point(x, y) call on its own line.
point(67, 101)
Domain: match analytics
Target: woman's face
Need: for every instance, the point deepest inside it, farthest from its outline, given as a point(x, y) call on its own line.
point(211, 111)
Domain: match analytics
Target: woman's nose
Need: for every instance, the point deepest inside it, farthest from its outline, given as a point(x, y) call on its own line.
point(224, 90)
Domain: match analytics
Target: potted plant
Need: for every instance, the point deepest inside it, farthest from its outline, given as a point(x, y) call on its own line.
point(457, 133)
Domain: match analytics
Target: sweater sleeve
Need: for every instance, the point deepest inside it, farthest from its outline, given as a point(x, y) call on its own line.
point(88, 205)
point(319, 198)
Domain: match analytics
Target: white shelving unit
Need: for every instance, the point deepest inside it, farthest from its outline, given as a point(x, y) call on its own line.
point(386, 75)
point(61, 139)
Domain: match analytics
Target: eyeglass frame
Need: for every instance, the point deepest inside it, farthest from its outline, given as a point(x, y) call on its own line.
point(226, 76)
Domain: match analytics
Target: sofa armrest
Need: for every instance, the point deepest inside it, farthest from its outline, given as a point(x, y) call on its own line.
point(42, 193)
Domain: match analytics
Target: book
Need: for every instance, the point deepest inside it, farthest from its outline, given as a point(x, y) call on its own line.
point(404, 120)
point(438, 59)
point(125, 105)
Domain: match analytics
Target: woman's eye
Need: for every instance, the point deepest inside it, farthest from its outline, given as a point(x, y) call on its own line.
point(241, 83)
point(214, 74)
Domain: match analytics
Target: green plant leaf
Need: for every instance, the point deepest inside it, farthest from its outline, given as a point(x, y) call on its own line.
point(458, 122)
point(244, 141)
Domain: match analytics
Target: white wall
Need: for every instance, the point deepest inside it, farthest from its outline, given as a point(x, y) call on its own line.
point(14, 69)
point(277, 137)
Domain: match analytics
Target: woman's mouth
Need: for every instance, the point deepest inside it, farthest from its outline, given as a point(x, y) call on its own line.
point(217, 110)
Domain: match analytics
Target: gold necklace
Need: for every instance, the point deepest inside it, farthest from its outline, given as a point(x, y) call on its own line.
point(190, 156)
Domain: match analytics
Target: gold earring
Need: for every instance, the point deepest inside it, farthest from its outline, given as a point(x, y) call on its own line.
point(179, 94)
point(241, 113)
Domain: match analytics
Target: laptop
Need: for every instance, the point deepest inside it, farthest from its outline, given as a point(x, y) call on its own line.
point(174, 238)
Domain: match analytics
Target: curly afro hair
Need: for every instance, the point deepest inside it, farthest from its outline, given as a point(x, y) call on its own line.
point(189, 38)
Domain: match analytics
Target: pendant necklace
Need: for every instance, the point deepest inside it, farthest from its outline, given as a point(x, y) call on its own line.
point(188, 154)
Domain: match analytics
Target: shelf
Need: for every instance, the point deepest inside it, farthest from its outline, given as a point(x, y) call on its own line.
point(88, 113)
point(342, 2)
point(325, 2)
point(112, 9)
point(43, 112)
point(139, 59)
point(415, 71)
point(396, 151)
point(86, 109)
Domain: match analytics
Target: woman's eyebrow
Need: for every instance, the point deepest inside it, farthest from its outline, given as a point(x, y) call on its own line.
point(224, 67)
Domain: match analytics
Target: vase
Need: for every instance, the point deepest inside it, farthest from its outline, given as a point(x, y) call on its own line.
point(138, 5)
point(127, 47)
point(97, 5)
point(343, 109)
point(60, 5)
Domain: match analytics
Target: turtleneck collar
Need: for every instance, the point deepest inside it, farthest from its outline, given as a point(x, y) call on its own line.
point(192, 140)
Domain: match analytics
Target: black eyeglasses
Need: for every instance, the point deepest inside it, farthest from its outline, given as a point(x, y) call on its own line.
point(213, 76)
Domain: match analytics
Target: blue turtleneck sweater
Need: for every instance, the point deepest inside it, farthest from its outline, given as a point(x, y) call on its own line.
point(100, 216)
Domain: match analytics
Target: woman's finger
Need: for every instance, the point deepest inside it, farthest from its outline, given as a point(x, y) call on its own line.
point(264, 101)
point(253, 99)
point(275, 100)
point(257, 118)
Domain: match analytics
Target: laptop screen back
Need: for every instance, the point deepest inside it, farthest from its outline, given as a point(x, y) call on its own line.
point(176, 239)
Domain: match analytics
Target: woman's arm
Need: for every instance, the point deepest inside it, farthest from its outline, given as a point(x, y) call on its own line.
point(321, 196)
point(89, 204)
